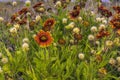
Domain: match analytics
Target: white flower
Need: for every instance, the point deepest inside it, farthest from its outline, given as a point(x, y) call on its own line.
point(25, 46)
point(118, 59)
point(109, 43)
point(64, 20)
point(104, 21)
point(25, 40)
point(28, 13)
point(93, 51)
point(93, 29)
point(76, 30)
point(37, 18)
point(28, 3)
point(0, 55)
point(102, 27)
point(1, 70)
point(91, 37)
point(4, 60)
point(81, 56)
point(13, 30)
point(1, 19)
point(14, 3)
point(80, 19)
point(98, 19)
point(97, 42)
point(17, 26)
point(112, 61)
point(92, 13)
point(58, 4)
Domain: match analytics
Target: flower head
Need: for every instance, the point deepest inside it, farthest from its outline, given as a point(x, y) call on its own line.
point(74, 14)
point(48, 24)
point(44, 39)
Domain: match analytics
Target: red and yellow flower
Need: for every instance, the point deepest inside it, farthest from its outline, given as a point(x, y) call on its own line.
point(48, 24)
point(44, 39)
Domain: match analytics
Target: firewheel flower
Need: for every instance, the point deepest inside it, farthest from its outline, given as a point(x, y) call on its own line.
point(48, 24)
point(44, 39)
point(74, 14)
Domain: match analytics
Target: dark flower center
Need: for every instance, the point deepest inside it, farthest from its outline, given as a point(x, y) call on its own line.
point(50, 23)
point(43, 38)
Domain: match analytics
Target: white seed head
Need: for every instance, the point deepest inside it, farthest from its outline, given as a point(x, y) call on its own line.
point(25, 46)
point(102, 27)
point(91, 37)
point(98, 19)
point(76, 30)
point(64, 20)
point(58, 4)
point(80, 19)
point(104, 21)
point(93, 29)
point(17, 26)
point(4, 60)
point(81, 56)
point(14, 3)
point(112, 61)
point(37, 18)
point(93, 51)
point(25, 40)
point(71, 25)
point(92, 13)
point(97, 42)
point(109, 43)
point(13, 30)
